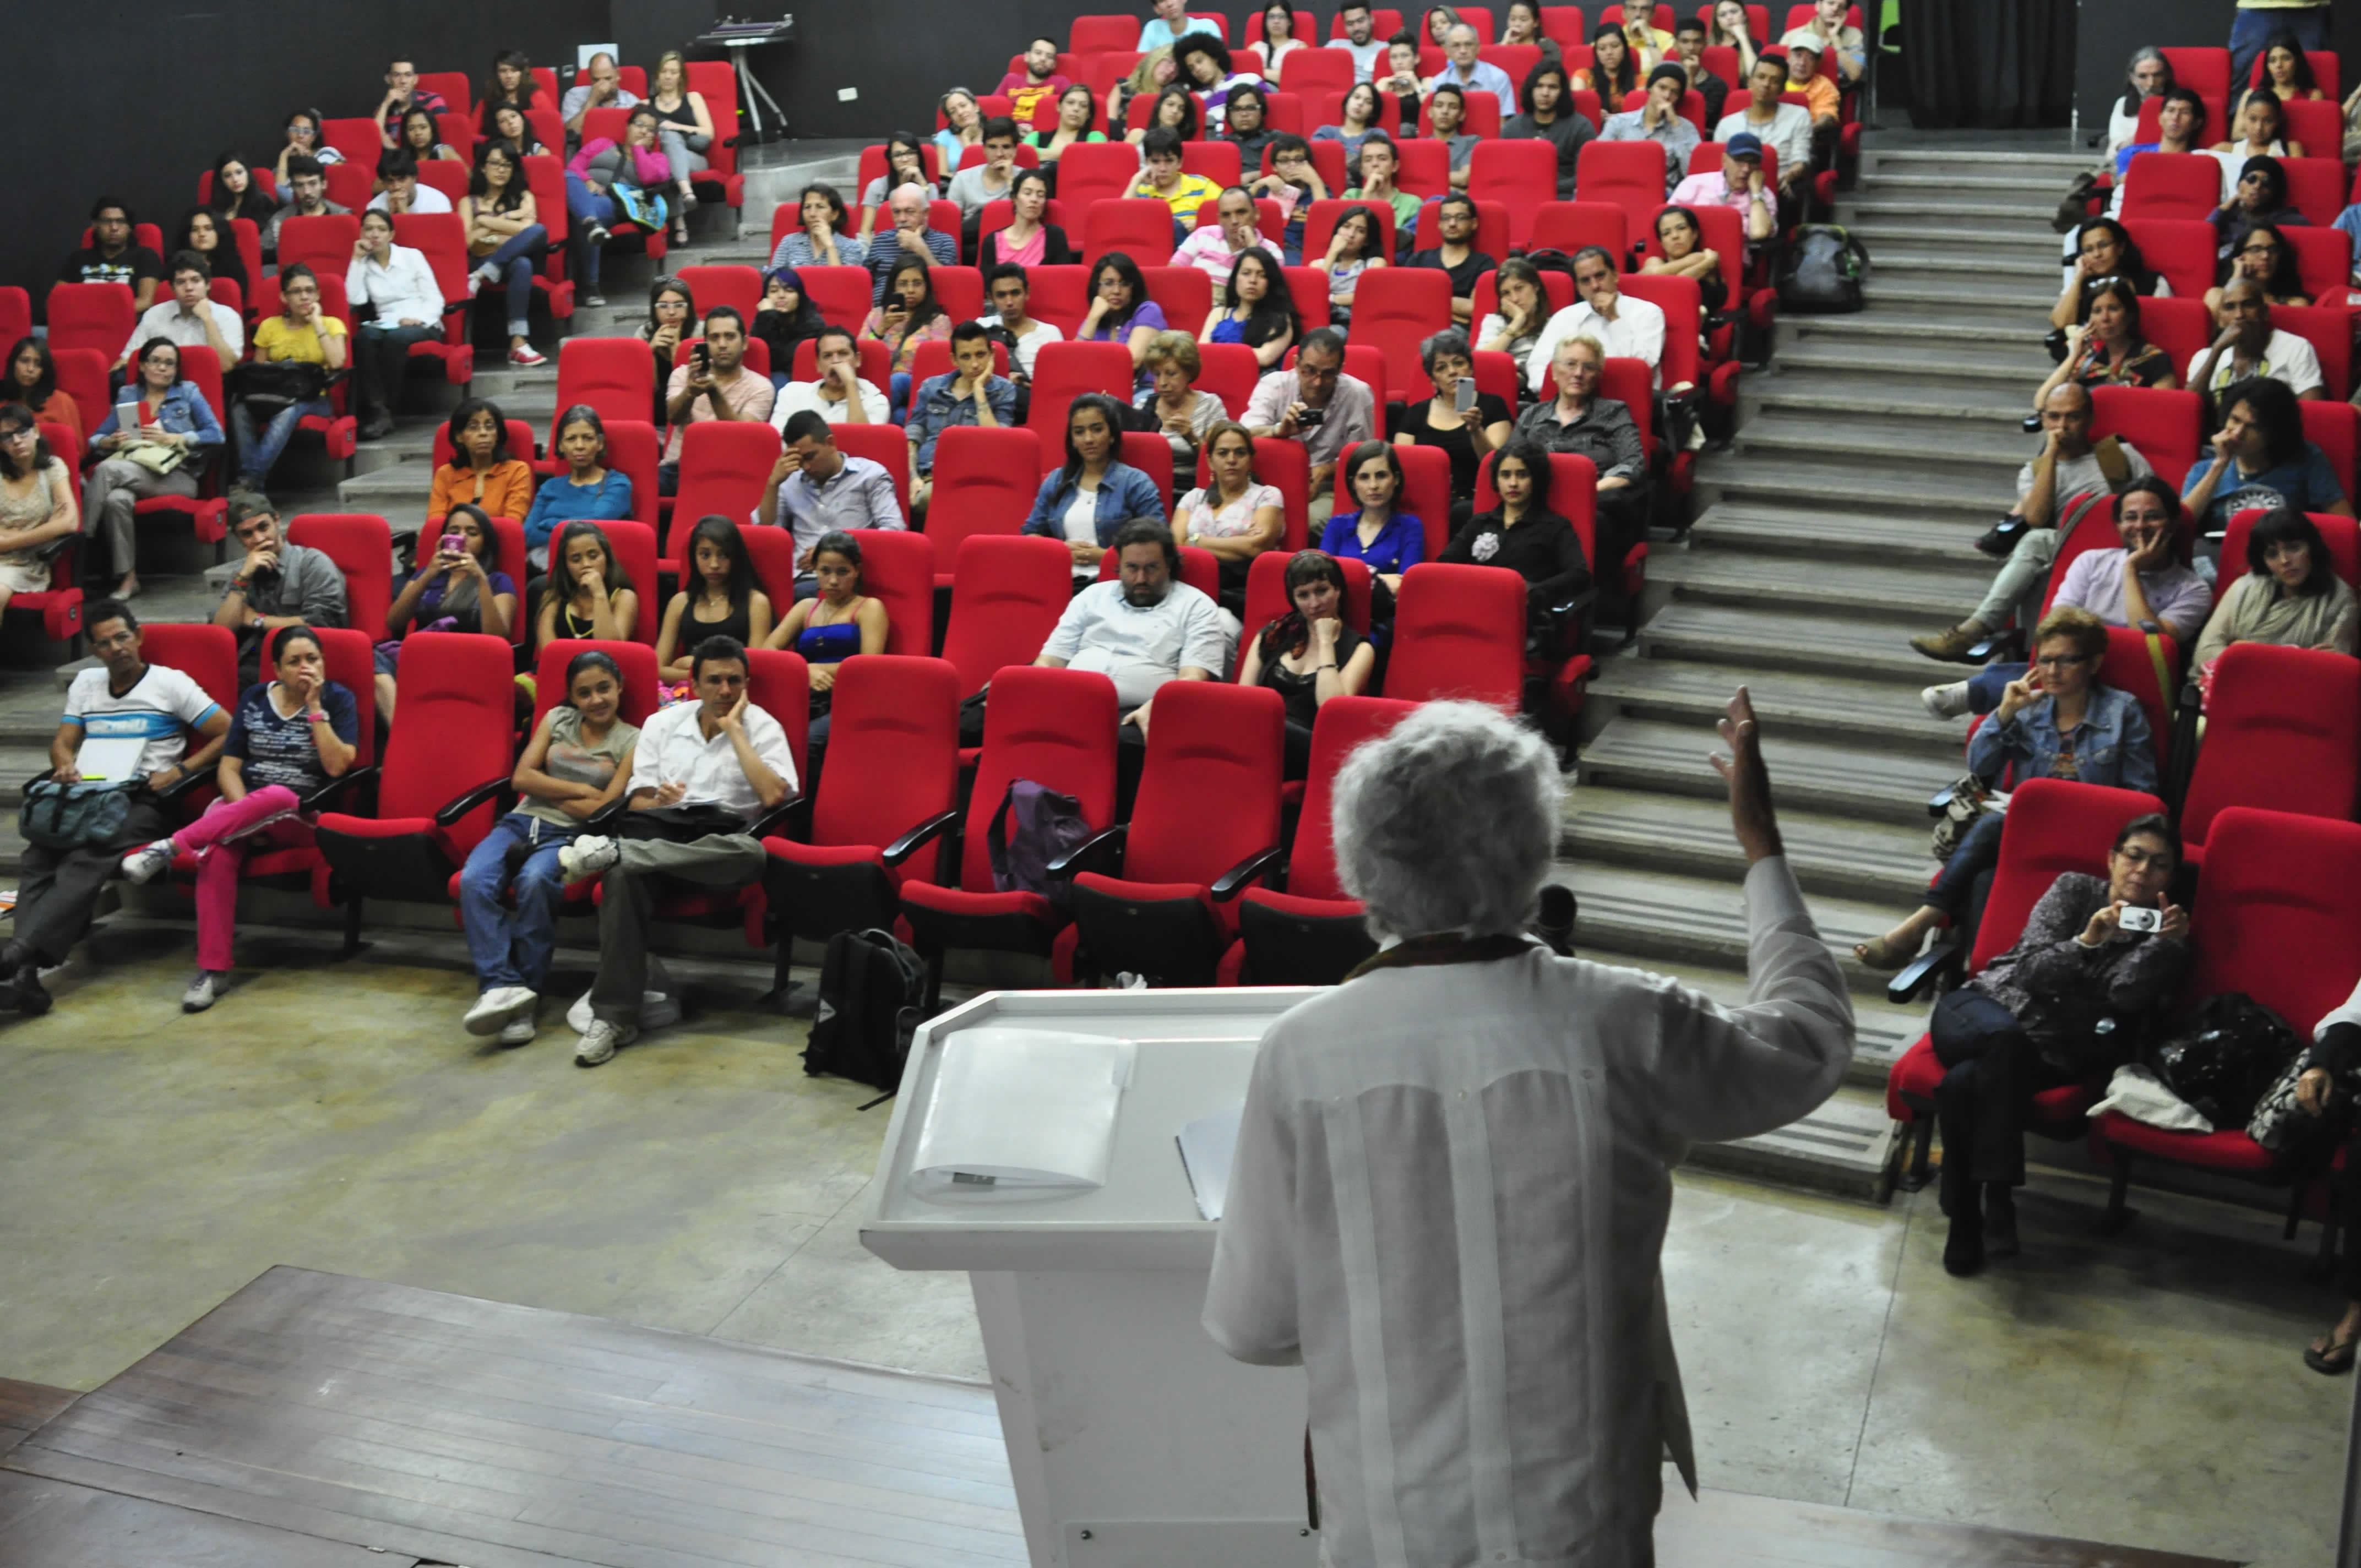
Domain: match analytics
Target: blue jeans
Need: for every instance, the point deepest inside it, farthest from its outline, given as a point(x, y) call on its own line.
point(2253, 29)
point(512, 265)
point(514, 947)
point(257, 455)
point(1979, 853)
point(1987, 685)
point(588, 206)
point(897, 396)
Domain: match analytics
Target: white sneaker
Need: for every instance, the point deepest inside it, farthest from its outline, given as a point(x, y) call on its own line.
point(523, 354)
point(1949, 700)
point(148, 862)
point(476, 281)
point(203, 991)
point(658, 1010)
point(587, 856)
point(498, 1007)
point(601, 1041)
point(519, 1032)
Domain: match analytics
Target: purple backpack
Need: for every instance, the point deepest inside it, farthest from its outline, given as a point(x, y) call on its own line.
point(1047, 825)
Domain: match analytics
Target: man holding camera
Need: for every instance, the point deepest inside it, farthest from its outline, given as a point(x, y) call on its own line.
point(1319, 407)
point(711, 383)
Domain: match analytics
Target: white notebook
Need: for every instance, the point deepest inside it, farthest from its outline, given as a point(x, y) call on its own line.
point(1208, 1145)
point(1023, 1108)
point(111, 759)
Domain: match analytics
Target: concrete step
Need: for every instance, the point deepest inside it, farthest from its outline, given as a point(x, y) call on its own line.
point(1839, 856)
point(19, 764)
point(1916, 263)
point(397, 492)
point(1970, 449)
point(1729, 577)
point(1822, 392)
point(1897, 490)
point(1833, 708)
point(1837, 536)
point(1846, 1148)
point(1856, 646)
point(1877, 327)
point(1995, 239)
point(2003, 364)
point(1996, 298)
point(1882, 203)
point(1961, 164)
point(1663, 917)
point(1839, 779)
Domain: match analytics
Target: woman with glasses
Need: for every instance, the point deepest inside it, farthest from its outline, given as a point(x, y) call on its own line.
point(2107, 349)
point(2265, 257)
point(2104, 249)
point(171, 420)
point(303, 139)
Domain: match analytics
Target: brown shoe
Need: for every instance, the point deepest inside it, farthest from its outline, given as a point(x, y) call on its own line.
point(1952, 646)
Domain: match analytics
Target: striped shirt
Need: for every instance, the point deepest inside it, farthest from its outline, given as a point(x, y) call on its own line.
point(160, 709)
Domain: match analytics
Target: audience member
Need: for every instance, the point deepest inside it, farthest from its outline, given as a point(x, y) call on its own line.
point(2103, 251)
point(836, 394)
point(574, 767)
point(2069, 466)
point(1455, 254)
point(189, 318)
point(1548, 114)
point(832, 625)
point(2259, 198)
point(1524, 535)
point(505, 237)
point(1580, 421)
point(785, 320)
point(1470, 74)
point(174, 423)
point(302, 131)
point(2261, 126)
point(908, 316)
point(1121, 312)
point(701, 772)
point(460, 588)
point(605, 90)
point(1176, 111)
point(1029, 239)
point(1627, 328)
point(2108, 350)
point(1738, 185)
point(684, 129)
point(511, 85)
point(32, 381)
point(1659, 120)
point(2260, 458)
point(1465, 433)
point(1732, 28)
point(1154, 73)
point(1378, 163)
point(1308, 654)
point(1213, 249)
point(1446, 109)
point(482, 471)
point(1277, 40)
point(1515, 328)
point(37, 515)
point(509, 125)
point(402, 95)
point(823, 240)
point(1360, 40)
point(713, 384)
point(2288, 594)
point(905, 164)
point(1204, 64)
point(1235, 516)
point(609, 183)
point(1318, 405)
point(1615, 69)
point(111, 256)
point(2286, 74)
point(589, 595)
point(1007, 287)
point(399, 190)
point(121, 698)
point(2142, 586)
point(908, 237)
point(1689, 53)
point(1078, 107)
point(587, 491)
point(1162, 178)
point(1085, 504)
point(969, 394)
point(814, 489)
point(963, 127)
point(1295, 184)
point(278, 585)
point(1356, 119)
point(2148, 76)
point(1683, 253)
point(1170, 24)
point(422, 138)
point(2181, 128)
point(1827, 31)
point(2263, 257)
point(990, 179)
point(1142, 628)
point(1039, 79)
point(1380, 535)
point(721, 597)
point(1520, 25)
point(672, 307)
point(306, 189)
point(1785, 128)
point(1355, 246)
point(236, 194)
point(1399, 76)
point(1647, 45)
point(2247, 347)
point(1184, 415)
point(207, 234)
point(1253, 306)
point(1246, 123)
point(398, 284)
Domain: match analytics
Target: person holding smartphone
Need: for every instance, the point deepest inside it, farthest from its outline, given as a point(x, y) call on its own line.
point(458, 588)
point(1465, 423)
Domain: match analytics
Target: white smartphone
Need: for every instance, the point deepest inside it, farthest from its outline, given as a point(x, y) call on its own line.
point(2135, 918)
point(1463, 395)
point(127, 416)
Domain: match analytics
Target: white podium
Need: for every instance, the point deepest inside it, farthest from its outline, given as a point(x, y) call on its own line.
point(1134, 1441)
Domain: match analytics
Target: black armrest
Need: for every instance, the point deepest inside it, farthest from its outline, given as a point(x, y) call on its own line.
point(1578, 602)
point(1915, 975)
point(1231, 882)
point(336, 789)
point(768, 825)
point(910, 843)
point(188, 780)
point(463, 803)
point(606, 816)
point(1103, 847)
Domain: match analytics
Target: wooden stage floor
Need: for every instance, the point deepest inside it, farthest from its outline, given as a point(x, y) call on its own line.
point(313, 1421)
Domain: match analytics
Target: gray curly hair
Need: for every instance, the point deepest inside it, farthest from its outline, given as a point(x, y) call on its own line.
point(1448, 822)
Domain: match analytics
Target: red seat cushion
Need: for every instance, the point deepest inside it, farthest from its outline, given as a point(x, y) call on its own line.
point(787, 849)
point(981, 905)
point(2057, 1111)
point(2229, 1149)
point(395, 827)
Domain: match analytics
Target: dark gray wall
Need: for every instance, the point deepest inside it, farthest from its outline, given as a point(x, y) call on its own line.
point(2111, 29)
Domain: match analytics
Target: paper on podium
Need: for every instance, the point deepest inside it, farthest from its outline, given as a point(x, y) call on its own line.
point(1208, 1144)
point(1023, 1108)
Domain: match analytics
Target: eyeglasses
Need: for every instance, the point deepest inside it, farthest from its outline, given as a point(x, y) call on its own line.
point(2265, 249)
point(2062, 661)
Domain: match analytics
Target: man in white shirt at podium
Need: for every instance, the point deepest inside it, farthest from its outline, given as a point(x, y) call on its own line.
point(1453, 1171)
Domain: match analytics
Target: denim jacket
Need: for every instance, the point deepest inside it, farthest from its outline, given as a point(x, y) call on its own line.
point(1124, 493)
point(933, 410)
point(184, 412)
point(2112, 748)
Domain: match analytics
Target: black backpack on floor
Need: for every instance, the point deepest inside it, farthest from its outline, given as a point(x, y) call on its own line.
point(1822, 271)
point(871, 990)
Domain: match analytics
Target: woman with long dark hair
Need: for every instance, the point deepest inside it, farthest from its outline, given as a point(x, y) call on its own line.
point(718, 598)
point(418, 133)
point(1614, 67)
point(1310, 654)
point(236, 194)
point(511, 85)
point(909, 316)
point(1082, 504)
point(1545, 101)
point(822, 239)
point(37, 504)
point(504, 235)
point(2108, 350)
point(589, 594)
point(1379, 533)
point(588, 490)
point(1029, 239)
point(834, 624)
point(2263, 257)
point(2290, 594)
point(672, 318)
point(1121, 311)
point(206, 231)
point(1256, 308)
point(905, 164)
point(458, 587)
point(31, 378)
point(785, 318)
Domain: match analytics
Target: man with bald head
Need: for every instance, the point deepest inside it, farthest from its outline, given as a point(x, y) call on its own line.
point(1470, 74)
point(2069, 466)
point(604, 90)
point(2246, 345)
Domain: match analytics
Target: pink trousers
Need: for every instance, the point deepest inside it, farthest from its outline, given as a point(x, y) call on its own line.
point(221, 839)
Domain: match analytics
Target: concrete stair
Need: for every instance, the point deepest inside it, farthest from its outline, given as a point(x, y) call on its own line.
point(1870, 453)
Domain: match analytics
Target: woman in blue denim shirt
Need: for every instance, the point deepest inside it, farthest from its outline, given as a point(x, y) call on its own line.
point(173, 412)
point(1082, 504)
point(2055, 722)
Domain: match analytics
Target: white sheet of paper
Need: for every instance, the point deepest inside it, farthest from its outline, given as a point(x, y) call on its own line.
point(109, 758)
point(1023, 1108)
point(1208, 1145)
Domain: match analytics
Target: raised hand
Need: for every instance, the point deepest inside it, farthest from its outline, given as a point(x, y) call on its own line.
point(1753, 819)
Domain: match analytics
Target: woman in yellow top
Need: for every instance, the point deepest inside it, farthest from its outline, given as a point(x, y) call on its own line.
point(482, 472)
point(301, 333)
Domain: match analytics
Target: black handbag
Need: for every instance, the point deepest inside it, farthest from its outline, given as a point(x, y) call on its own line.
point(269, 386)
point(81, 814)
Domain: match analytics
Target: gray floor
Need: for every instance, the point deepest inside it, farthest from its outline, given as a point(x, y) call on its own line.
point(702, 1182)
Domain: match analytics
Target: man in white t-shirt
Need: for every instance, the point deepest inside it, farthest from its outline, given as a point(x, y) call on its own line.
point(838, 394)
point(2249, 345)
point(1142, 630)
point(1360, 40)
point(128, 720)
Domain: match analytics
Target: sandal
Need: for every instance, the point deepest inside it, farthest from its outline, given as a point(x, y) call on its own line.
point(2332, 1356)
point(1881, 955)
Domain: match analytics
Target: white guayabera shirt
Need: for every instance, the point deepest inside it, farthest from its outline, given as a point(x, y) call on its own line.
point(1449, 1199)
